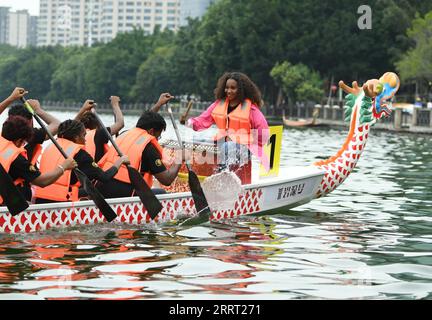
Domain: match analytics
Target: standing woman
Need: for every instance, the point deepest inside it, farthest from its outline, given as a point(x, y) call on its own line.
point(71, 137)
point(241, 124)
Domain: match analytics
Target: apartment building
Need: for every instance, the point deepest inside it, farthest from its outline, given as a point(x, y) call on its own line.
point(4, 24)
point(17, 28)
point(84, 22)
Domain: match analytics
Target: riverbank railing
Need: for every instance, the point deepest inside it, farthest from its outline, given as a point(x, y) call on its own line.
point(416, 119)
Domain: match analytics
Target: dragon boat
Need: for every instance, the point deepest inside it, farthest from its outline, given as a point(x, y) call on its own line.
point(293, 186)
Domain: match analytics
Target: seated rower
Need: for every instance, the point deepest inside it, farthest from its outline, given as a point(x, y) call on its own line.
point(34, 145)
point(145, 154)
point(16, 130)
point(71, 137)
point(96, 143)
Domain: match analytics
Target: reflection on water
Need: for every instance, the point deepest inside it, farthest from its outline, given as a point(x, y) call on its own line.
point(370, 239)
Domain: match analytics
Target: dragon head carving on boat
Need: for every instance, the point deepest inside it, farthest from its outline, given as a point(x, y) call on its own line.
point(363, 107)
point(375, 95)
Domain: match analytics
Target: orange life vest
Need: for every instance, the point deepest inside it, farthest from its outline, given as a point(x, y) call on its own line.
point(90, 145)
point(61, 190)
point(235, 125)
point(8, 153)
point(132, 143)
point(37, 151)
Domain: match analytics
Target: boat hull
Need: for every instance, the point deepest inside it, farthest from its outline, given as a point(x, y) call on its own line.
point(293, 187)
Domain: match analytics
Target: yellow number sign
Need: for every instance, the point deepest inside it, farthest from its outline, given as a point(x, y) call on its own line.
point(273, 150)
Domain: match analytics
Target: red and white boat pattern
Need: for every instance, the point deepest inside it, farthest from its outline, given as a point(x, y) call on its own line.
point(131, 211)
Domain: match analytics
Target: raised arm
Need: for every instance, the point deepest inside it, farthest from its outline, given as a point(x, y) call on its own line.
point(203, 121)
point(163, 99)
point(15, 95)
point(119, 119)
point(52, 122)
point(86, 107)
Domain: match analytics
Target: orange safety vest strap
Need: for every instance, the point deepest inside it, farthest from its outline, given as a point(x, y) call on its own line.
point(8, 153)
point(37, 151)
point(90, 145)
point(132, 143)
point(236, 124)
point(60, 190)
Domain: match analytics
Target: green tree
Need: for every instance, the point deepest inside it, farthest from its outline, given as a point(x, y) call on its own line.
point(68, 81)
point(298, 82)
point(154, 76)
point(416, 63)
point(35, 73)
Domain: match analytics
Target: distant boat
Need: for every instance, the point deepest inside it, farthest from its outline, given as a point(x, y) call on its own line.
point(304, 122)
point(406, 107)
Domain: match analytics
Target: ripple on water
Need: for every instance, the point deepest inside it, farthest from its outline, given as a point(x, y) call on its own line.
point(370, 239)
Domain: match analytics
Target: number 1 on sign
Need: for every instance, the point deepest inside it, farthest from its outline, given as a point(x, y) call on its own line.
point(273, 149)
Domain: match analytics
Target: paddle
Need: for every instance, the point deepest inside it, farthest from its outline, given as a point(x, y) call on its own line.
point(147, 197)
point(12, 197)
point(184, 116)
point(88, 187)
point(194, 185)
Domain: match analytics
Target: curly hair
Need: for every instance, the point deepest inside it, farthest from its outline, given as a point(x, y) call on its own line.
point(17, 127)
point(70, 129)
point(151, 120)
point(246, 87)
point(20, 110)
point(89, 121)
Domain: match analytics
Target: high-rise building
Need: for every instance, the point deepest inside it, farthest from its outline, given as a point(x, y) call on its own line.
point(84, 22)
point(17, 28)
point(4, 24)
point(193, 9)
point(32, 31)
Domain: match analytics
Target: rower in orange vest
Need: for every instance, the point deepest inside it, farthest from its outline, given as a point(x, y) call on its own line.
point(15, 131)
point(241, 125)
point(145, 154)
point(71, 137)
point(34, 145)
point(96, 143)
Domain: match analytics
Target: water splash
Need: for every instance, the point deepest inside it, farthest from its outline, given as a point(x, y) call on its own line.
point(222, 190)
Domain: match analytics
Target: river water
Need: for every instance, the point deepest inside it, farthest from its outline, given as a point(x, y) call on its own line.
point(369, 239)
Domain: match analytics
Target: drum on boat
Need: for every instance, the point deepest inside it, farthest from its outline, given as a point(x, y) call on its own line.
point(205, 160)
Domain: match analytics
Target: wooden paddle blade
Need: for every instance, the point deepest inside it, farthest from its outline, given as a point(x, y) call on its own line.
point(147, 197)
point(198, 196)
point(198, 219)
point(96, 196)
point(12, 197)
